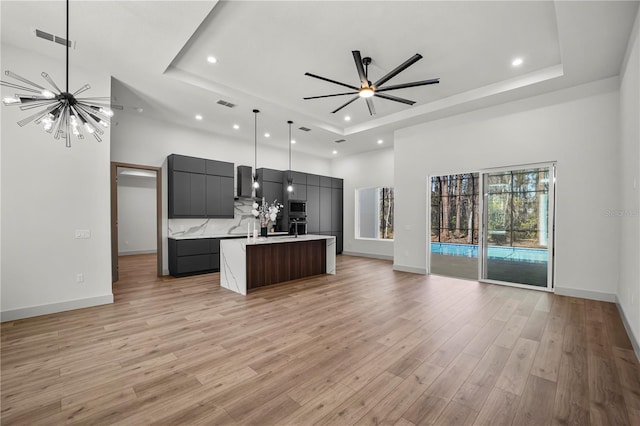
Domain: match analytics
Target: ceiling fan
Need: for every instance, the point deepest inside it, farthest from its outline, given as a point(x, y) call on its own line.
point(367, 90)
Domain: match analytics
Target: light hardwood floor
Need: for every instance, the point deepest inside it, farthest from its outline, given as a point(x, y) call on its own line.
point(367, 346)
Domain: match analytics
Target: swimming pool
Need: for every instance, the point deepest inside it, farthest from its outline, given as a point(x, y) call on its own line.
point(517, 254)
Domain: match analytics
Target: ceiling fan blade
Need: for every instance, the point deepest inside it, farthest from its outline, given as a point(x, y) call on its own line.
point(405, 85)
point(339, 108)
point(394, 98)
point(406, 64)
point(330, 96)
point(361, 74)
point(372, 109)
point(332, 81)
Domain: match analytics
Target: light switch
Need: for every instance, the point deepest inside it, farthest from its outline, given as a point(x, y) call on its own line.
point(83, 234)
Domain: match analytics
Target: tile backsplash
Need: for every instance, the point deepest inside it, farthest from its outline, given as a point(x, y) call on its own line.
point(215, 227)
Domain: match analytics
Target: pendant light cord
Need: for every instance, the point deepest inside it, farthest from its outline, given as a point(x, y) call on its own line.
point(290, 123)
point(67, 41)
point(255, 140)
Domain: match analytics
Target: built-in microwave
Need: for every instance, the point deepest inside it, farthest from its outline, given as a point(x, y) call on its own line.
point(297, 207)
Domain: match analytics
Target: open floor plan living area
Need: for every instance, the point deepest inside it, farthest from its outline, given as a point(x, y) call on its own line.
point(299, 213)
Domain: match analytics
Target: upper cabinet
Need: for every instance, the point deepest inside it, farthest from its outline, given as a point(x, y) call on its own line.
point(270, 188)
point(199, 187)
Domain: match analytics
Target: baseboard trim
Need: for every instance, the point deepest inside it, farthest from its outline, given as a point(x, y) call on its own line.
point(52, 308)
point(132, 252)
point(412, 269)
point(585, 294)
point(371, 255)
point(632, 337)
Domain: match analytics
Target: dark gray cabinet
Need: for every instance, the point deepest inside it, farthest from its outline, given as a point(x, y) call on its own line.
point(187, 192)
point(313, 209)
point(272, 191)
point(270, 185)
point(218, 190)
point(326, 181)
point(198, 195)
point(324, 203)
point(182, 163)
point(313, 180)
point(179, 194)
point(199, 187)
point(325, 209)
point(196, 256)
point(336, 210)
point(299, 192)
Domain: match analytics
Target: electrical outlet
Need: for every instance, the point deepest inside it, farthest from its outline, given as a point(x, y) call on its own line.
point(80, 278)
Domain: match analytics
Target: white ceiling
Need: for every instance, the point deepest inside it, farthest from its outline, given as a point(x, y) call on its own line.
point(157, 51)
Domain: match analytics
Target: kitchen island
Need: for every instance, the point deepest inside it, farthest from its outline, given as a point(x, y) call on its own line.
point(247, 264)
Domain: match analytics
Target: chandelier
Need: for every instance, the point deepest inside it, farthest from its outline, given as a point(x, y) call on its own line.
point(60, 112)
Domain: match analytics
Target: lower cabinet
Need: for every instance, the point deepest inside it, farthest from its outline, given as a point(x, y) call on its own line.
point(197, 256)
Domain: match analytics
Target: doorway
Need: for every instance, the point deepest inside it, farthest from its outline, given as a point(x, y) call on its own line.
point(517, 238)
point(505, 236)
point(141, 174)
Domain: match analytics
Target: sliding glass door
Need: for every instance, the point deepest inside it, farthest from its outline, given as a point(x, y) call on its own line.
point(517, 237)
point(455, 223)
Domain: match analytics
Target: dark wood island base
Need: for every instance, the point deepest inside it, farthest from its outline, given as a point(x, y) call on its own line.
point(275, 263)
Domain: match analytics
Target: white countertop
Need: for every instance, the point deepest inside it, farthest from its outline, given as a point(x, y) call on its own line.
point(286, 239)
point(197, 237)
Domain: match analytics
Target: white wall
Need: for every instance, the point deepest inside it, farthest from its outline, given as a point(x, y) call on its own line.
point(628, 291)
point(137, 139)
point(371, 169)
point(136, 215)
point(577, 127)
point(49, 191)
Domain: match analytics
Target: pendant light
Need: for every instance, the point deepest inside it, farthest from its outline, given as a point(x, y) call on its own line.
point(63, 111)
point(289, 179)
point(256, 185)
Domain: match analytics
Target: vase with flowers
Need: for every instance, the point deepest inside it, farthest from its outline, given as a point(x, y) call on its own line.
point(266, 213)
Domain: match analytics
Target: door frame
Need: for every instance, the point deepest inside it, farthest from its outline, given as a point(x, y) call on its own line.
point(551, 226)
point(553, 165)
point(114, 214)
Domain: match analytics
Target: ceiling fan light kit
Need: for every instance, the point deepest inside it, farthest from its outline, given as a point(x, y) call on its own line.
point(367, 90)
point(63, 112)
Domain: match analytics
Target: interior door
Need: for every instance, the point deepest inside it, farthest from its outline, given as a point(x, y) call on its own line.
point(517, 232)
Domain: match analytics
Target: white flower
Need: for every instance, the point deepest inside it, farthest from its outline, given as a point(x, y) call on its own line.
point(273, 217)
point(255, 206)
point(254, 212)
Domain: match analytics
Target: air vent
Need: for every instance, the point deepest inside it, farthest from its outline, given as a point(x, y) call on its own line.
point(46, 36)
point(341, 140)
point(304, 129)
point(225, 103)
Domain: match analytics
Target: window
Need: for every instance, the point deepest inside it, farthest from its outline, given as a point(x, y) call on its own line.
point(374, 213)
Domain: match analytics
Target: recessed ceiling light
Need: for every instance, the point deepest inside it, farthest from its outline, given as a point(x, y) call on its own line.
point(211, 59)
point(236, 127)
point(517, 62)
point(267, 135)
point(380, 141)
point(335, 152)
point(293, 141)
point(347, 118)
point(198, 117)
